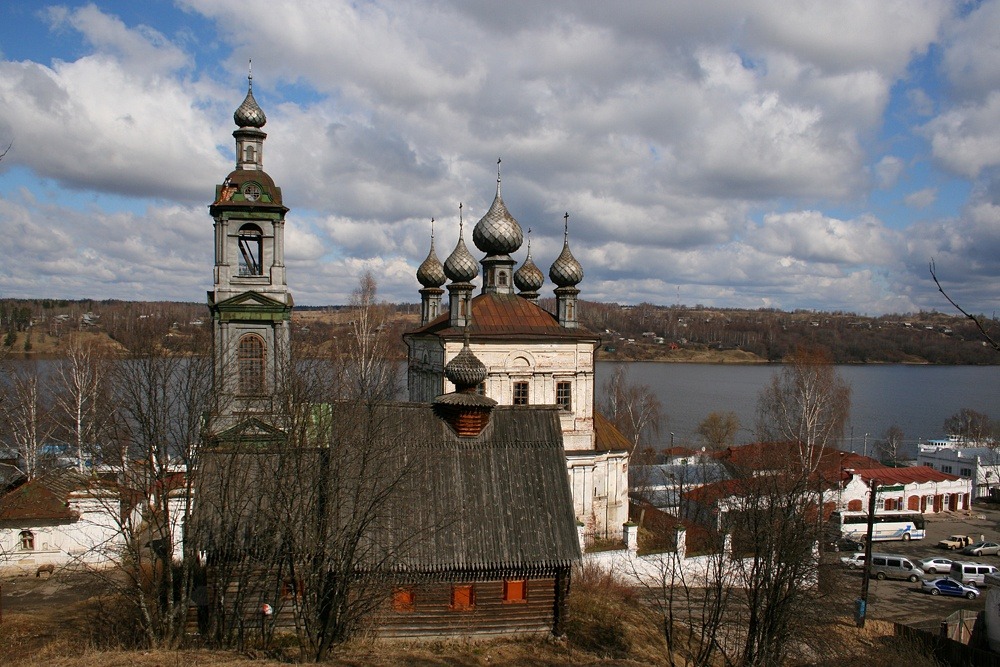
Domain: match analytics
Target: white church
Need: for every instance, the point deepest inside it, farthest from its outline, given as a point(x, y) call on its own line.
point(533, 357)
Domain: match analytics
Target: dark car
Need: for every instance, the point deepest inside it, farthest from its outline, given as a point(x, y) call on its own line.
point(847, 544)
point(948, 586)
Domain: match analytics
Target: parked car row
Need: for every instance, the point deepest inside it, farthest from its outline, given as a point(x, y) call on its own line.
point(969, 546)
point(891, 566)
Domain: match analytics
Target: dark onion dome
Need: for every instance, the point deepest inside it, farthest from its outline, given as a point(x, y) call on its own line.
point(249, 114)
point(566, 271)
point(528, 277)
point(497, 232)
point(461, 266)
point(430, 273)
point(465, 370)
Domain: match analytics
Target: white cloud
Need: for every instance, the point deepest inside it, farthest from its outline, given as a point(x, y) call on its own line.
point(967, 139)
point(888, 170)
point(972, 50)
point(921, 198)
point(663, 128)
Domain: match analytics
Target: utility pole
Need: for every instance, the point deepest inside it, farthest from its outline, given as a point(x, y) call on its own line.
point(861, 604)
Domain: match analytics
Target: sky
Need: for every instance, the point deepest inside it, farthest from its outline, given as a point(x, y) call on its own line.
point(792, 155)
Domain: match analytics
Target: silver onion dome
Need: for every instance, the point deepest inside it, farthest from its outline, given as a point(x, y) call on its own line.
point(249, 114)
point(528, 277)
point(430, 273)
point(465, 370)
point(497, 232)
point(461, 266)
point(566, 271)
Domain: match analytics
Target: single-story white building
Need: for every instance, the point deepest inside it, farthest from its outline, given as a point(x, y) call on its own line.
point(918, 488)
point(61, 519)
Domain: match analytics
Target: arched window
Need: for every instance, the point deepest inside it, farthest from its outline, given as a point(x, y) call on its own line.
point(854, 505)
point(249, 153)
point(251, 242)
point(502, 279)
point(27, 540)
point(250, 363)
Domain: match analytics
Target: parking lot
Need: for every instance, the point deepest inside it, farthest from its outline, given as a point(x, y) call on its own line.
point(902, 601)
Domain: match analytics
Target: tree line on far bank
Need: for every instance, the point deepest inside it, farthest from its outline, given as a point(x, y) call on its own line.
point(36, 326)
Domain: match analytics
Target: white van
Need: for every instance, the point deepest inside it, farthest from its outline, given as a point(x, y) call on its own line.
point(970, 573)
point(891, 566)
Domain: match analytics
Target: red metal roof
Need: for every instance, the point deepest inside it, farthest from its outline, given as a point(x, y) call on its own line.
point(831, 465)
point(907, 475)
point(44, 499)
point(505, 316)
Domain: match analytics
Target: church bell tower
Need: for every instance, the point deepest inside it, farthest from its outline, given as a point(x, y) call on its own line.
point(250, 303)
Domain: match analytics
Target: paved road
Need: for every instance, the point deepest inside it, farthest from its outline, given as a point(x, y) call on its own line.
point(902, 601)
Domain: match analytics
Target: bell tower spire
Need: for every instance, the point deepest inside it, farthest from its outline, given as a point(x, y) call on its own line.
point(250, 302)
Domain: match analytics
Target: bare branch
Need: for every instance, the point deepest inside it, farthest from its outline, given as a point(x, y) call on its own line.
point(6, 150)
point(979, 325)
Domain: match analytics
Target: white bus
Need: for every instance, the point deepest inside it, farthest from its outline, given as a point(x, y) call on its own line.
point(886, 526)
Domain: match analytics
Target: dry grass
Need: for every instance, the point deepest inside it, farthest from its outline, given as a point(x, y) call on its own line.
point(607, 625)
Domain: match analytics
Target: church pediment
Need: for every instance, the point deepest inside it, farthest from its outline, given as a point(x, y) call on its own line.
point(249, 299)
point(251, 429)
point(252, 306)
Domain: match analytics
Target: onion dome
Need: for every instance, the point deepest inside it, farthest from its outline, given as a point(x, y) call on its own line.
point(528, 277)
point(430, 273)
point(461, 266)
point(497, 232)
point(249, 114)
point(566, 271)
point(465, 370)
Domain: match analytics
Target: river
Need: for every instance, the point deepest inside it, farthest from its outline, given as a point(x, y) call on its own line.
point(918, 399)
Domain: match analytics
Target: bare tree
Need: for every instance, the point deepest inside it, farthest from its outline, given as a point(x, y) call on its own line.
point(161, 400)
point(369, 367)
point(719, 430)
point(970, 426)
point(774, 536)
point(633, 408)
point(299, 515)
point(81, 402)
point(891, 444)
point(977, 321)
point(26, 410)
point(806, 403)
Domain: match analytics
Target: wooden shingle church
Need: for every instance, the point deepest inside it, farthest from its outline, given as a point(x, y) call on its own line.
point(474, 487)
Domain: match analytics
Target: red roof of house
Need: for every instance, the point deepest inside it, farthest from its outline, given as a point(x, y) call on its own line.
point(505, 316)
point(907, 475)
point(710, 494)
point(831, 466)
point(41, 499)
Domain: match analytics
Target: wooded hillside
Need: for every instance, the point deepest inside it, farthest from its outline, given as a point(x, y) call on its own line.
point(642, 332)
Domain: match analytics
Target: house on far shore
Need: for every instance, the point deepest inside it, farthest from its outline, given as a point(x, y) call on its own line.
point(61, 519)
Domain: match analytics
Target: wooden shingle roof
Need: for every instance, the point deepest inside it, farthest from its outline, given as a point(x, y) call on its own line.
point(495, 503)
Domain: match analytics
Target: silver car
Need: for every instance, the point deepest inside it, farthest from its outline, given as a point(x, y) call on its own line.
point(982, 549)
point(935, 565)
